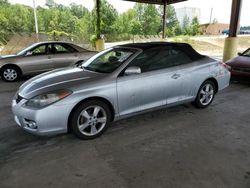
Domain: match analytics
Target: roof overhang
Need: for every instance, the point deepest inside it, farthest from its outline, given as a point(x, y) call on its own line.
point(159, 2)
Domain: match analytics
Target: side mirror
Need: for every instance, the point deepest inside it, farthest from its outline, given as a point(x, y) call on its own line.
point(79, 63)
point(132, 70)
point(28, 53)
point(239, 53)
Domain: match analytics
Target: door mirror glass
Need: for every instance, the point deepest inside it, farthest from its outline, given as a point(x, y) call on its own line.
point(132, 70)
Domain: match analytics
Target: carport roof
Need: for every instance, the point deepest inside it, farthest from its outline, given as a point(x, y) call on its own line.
point(159, 2)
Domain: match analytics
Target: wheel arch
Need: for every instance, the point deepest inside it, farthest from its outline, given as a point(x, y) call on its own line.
point(12, 65)
point(215, 83)
point(110, 105)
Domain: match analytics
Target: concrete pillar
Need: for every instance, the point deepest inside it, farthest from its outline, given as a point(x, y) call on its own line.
point(231, 43)
point(99, 42)
point(230, 48)
point(100, 45)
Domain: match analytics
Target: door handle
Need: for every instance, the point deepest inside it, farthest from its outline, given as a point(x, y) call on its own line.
point(176, 76)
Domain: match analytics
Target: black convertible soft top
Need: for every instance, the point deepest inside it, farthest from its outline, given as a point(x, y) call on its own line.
point(188, 49)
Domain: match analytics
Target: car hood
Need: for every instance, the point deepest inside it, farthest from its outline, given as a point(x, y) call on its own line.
point(65, 78)
point(7, 58)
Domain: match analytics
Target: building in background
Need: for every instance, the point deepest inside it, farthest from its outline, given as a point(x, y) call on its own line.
point(213, 28)
point(188, 12)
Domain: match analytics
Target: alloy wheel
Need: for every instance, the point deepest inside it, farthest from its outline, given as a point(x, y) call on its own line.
point(206, 94)
point(92, 120)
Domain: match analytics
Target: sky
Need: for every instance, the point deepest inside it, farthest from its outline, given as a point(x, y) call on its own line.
point(221, 8)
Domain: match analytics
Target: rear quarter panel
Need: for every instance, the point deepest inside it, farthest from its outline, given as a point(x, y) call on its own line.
point(199, 71)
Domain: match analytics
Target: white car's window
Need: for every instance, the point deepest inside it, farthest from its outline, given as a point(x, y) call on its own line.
point(160, 58)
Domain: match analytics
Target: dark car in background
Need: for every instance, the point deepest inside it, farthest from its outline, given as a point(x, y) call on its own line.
point(240, 65)
point(41, 57)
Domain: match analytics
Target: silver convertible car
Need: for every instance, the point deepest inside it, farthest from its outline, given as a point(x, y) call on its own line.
point(41, 57)
point(116, 83)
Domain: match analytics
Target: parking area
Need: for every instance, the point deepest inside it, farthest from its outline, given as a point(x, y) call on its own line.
point(180, 147)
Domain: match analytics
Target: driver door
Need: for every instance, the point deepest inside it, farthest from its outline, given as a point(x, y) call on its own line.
point(140, 92)
point(37, 60)
point(63, 55)
point(159, 83)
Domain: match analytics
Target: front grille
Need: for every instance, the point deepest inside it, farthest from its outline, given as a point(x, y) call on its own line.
point(18, 98)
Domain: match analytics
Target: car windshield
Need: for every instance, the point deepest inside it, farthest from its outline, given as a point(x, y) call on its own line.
point(247, 53)
point(109, 60)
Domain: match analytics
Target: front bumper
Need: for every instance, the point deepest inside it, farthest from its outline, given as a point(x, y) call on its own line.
point(50, 120)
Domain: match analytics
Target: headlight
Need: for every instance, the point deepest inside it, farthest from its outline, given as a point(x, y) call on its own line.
point(47, 98)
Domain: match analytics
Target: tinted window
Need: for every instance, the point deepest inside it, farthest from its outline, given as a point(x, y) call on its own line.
point(40, 50)
point(160, 58)
point(62, 48)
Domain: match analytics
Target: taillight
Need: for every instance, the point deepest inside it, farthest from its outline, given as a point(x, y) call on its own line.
point(225, 65)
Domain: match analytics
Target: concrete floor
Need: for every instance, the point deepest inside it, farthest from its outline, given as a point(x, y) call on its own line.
point(181, 147)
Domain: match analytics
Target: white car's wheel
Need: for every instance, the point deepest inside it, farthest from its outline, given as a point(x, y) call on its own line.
point(90, 119)
point(205, 94)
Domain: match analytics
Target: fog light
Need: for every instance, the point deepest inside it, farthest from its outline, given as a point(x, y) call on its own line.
point(30, 124)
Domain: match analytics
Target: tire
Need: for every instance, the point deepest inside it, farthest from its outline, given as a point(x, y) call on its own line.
point(205, 95)
point(10, 74)
point(90, 120)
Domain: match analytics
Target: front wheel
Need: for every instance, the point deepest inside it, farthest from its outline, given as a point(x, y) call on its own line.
point(10, 74)
point(205, 94)
point(90, 119)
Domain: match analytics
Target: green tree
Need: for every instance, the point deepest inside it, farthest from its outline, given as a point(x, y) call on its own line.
point(124, 21)
point(186, 25)
point(149, 18)
point(195, 26)
point(172, 24)
point(78, 10)
point(85, 27)
point(135, 27)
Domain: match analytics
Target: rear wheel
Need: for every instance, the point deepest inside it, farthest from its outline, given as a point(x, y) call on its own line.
point(205, 94)
point(90, 119)
point(10, 73)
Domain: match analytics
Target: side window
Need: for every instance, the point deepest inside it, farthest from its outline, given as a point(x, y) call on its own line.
point(61, 48)
point(70, 48)
point(160, 58)
point(40, 50)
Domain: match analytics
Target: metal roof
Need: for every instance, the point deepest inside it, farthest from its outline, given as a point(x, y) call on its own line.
point(159, 2)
